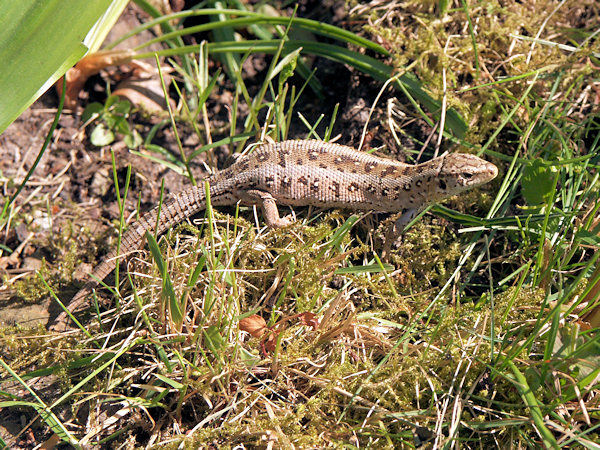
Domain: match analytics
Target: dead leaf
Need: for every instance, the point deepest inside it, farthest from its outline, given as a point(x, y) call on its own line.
point(310, 320)
point(255, 325)
point(271, 342)
point(85, 68)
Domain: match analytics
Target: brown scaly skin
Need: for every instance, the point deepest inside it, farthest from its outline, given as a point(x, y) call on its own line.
point(306, 173)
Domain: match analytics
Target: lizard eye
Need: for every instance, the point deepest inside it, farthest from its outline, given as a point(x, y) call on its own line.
point(467, 175)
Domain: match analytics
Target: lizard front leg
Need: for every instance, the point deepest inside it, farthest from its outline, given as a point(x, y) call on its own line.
point(400, 224)
point(269, 207)
point(393, 235)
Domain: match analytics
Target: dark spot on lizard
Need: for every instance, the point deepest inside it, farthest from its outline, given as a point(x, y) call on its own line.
point(406, 186)
point(315, 185)
point(369, 167)
point(269, 181)
point(282, 161)
point(335, 187)
point(323, 165)
point(389, 171)
point(353, 187)
point(442, 185)
point(243, 165)
point(262, 157)
point(303, 180)
point(419, 182)
point(299, 161)
point(371, 189)
point(313, 156)
point(286, 182)
point(385, 192)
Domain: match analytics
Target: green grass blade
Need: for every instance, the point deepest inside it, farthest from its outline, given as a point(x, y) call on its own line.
point(364, 63)
point(43, 410)
point(528, 397)
point(167, 285)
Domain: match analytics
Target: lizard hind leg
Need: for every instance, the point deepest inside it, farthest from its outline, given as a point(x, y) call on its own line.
point(269, 208)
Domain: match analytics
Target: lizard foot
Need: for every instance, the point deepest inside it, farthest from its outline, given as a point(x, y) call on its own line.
point(283, 222)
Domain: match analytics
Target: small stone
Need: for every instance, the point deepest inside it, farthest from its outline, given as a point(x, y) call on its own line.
point(31, 263)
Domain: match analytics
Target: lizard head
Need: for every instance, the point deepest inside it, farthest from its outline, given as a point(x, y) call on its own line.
point(461, 171)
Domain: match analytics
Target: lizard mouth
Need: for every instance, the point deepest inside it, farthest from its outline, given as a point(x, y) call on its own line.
point(492, 171)
point(486, 173)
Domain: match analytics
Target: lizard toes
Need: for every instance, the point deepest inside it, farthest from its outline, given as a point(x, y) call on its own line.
point(290, 219)
point(281, 222)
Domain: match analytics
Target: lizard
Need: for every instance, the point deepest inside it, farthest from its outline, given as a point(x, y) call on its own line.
point(305, 173)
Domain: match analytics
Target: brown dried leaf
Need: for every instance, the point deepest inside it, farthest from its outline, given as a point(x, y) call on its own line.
point(86, 67)
point(310, 320)
point(271, 342)
point(255, 325)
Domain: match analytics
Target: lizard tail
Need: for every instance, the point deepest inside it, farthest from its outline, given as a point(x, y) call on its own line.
point(176, 209)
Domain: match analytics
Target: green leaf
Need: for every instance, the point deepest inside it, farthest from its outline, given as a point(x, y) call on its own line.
point(133, 139)
point(442, 6)
point(122, 107)
point(286, 66)
point(248, 358)
point(121, 125)
point(39, 41)
point(371, 268)
point(520, 383)
point(102, 136)
point(92, 111)
point(537, 182)
point(588, 238)
point(214, 340)
point(174, 384)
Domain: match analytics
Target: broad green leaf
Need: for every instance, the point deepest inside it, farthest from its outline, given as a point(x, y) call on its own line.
point(537, 182)
point(174, 384)
point(588, 238)
point(102, 136)
point(214, 341)
point(92, 111)
point(133, 139)
point(39, 42)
